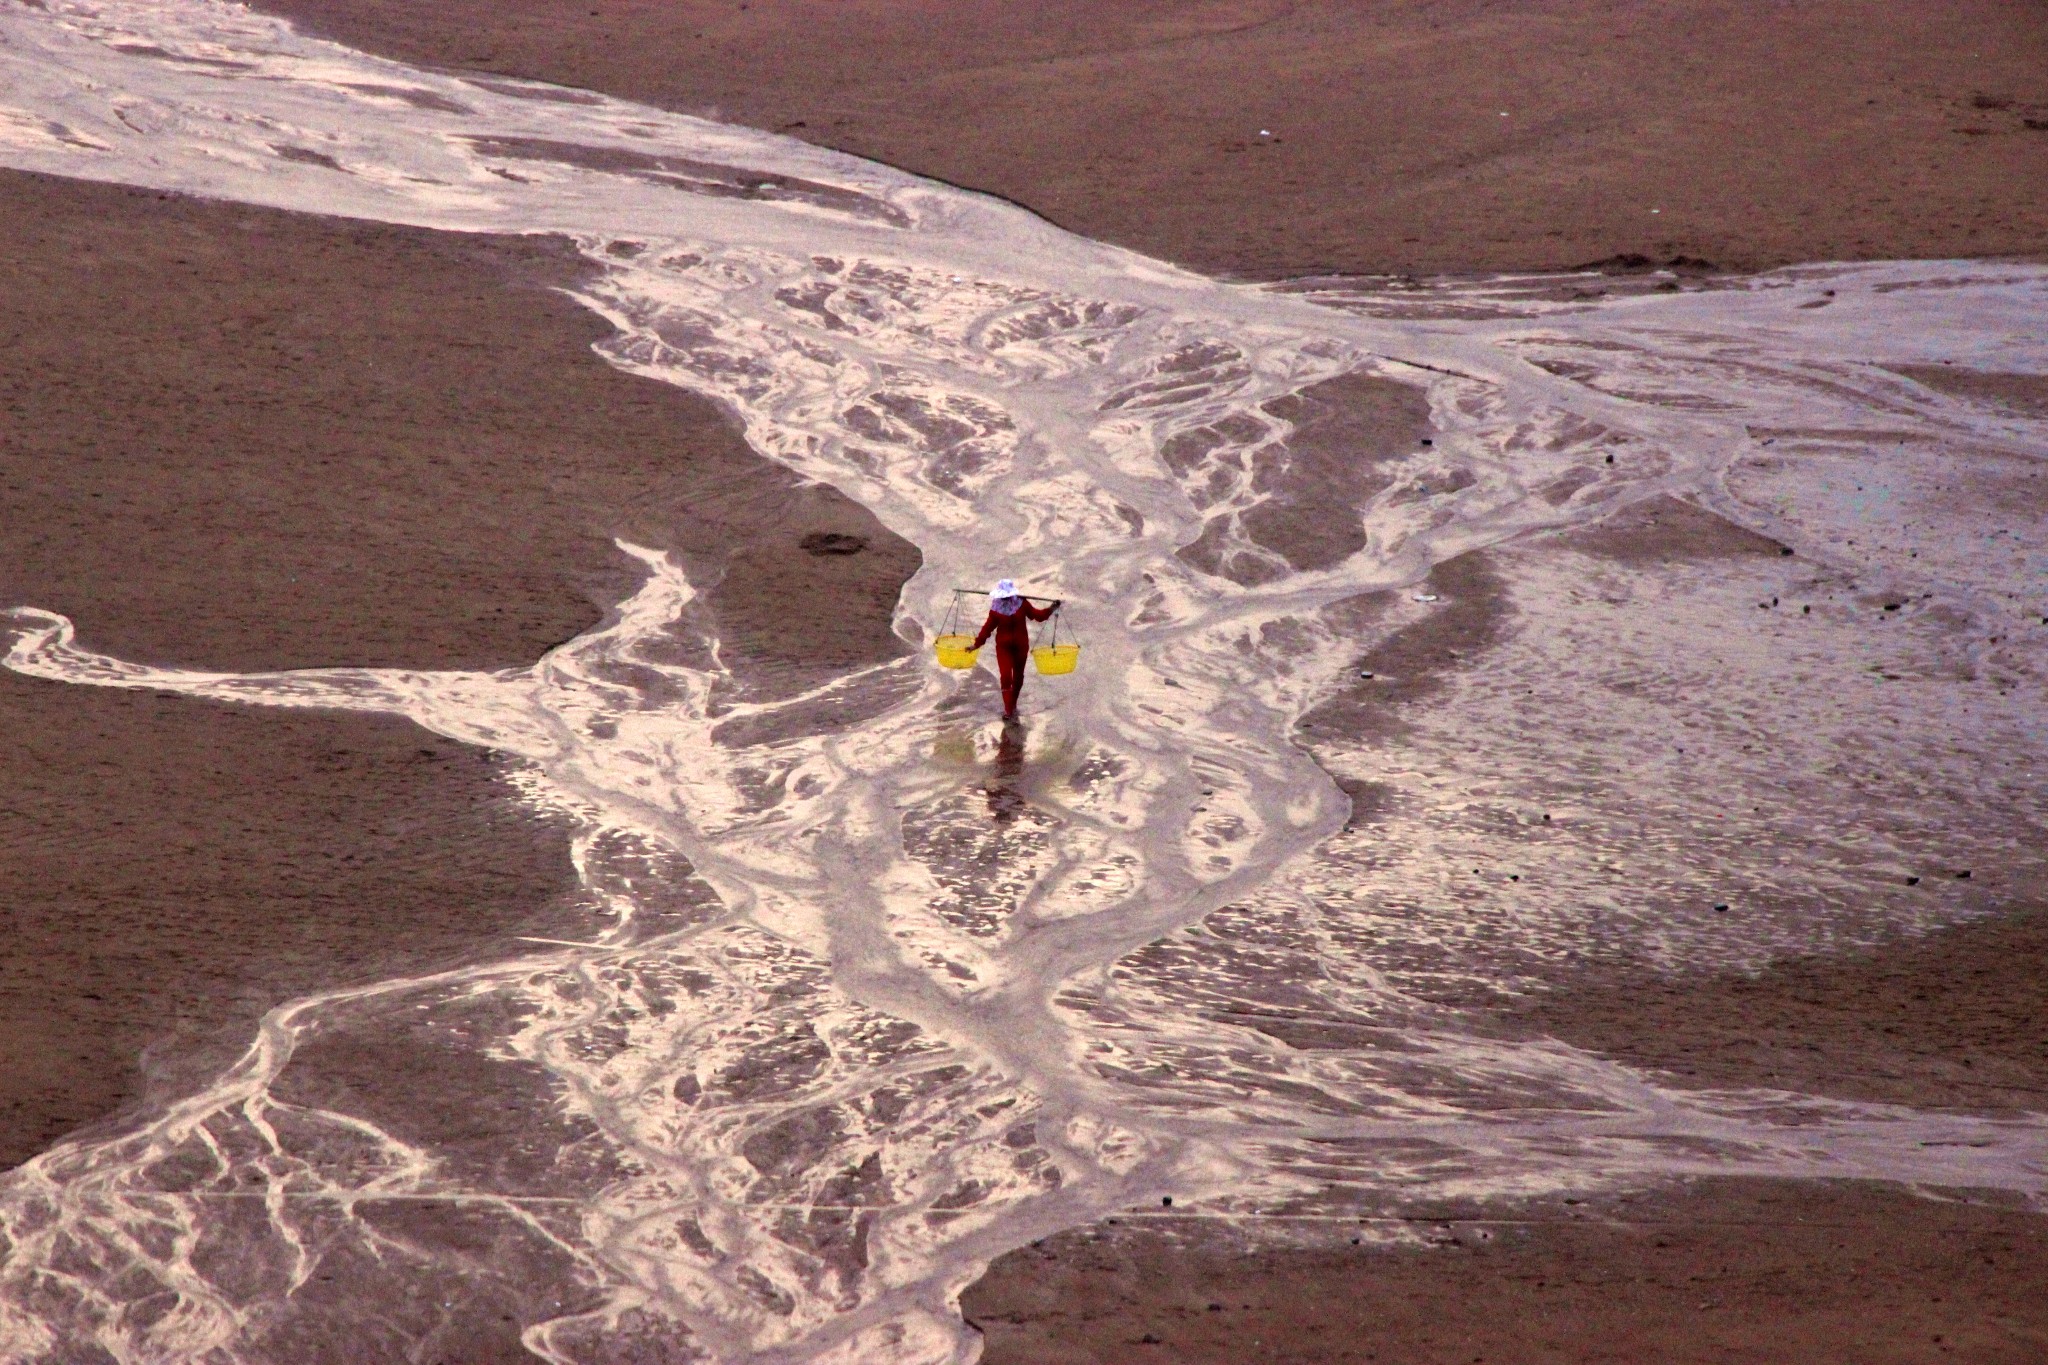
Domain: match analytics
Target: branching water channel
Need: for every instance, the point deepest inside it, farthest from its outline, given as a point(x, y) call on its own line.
point(849, 1019)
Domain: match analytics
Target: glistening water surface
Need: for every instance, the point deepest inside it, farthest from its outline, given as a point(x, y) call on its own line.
point(873, 991)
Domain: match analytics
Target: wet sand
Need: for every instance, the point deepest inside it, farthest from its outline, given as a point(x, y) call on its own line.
point(246, 440)
point(1957, 152)
point(2025, 394)
point(1729, 1272)
point(174, 869)
point(1429, 138)
point(1713, 1270)
point(1955, 1020)
point(1317, 482)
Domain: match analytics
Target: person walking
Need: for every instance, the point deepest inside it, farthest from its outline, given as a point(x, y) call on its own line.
point(1008, 613)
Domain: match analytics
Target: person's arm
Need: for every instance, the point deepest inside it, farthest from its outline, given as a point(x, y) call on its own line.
point(987, 627)
point(1040, 613)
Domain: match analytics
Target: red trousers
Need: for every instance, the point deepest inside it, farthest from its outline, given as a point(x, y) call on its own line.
point(1013, 646)
point(1010, 664)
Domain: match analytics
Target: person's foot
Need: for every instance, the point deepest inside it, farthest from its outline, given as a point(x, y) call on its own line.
point(1009, 717)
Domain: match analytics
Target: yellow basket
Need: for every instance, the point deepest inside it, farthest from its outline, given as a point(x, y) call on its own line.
point(1053, 659)
point(956, 651)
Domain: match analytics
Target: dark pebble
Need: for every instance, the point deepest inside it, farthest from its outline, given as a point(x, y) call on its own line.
point(1964, 875)
point(1912, 881)
point(1722, 908)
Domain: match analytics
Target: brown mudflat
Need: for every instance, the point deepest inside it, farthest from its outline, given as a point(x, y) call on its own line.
point(2025, 395)
point(1958, 1019)
point(247, 439)
point(1728, 1272)
point(1342, 432)
point(1411, 664)
point(175, 868)
point(240, 439)
point(213, 846)
point(1273, 138)
point(1717, 1271)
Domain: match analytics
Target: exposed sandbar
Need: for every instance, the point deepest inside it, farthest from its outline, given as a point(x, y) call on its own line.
point(1956, 1020)
point(1442, 137)
point(1718, 1271)
point(243, 439)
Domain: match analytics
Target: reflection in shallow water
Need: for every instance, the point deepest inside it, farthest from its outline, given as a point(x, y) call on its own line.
point(868, 997)
point(1005, 801)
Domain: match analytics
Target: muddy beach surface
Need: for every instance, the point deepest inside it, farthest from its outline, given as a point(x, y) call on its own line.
point(1269, 140)
point(1943, 1018)
point(1725, 1271)
point(1685, 778)
point(241, 439)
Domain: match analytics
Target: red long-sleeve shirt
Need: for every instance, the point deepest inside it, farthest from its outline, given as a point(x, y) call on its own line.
point(1012, 636)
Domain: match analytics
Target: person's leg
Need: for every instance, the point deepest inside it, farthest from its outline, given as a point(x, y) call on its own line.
point(1011, 665)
